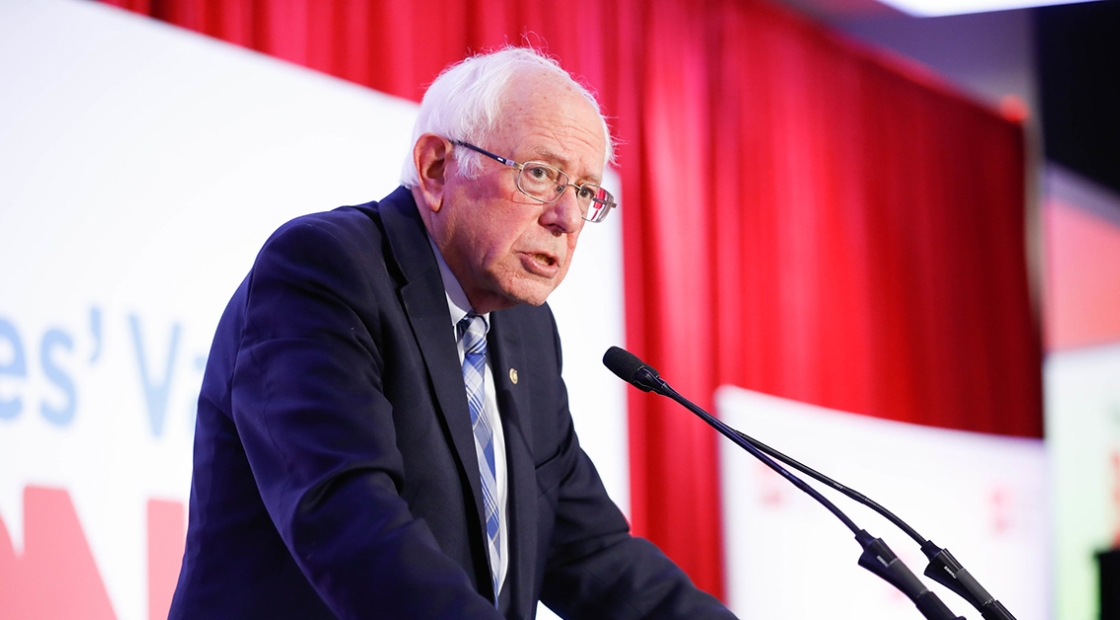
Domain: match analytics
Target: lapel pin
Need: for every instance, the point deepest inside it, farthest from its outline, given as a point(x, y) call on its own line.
point(513, 375)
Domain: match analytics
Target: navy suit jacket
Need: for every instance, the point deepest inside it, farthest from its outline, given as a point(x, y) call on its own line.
point(334, 467)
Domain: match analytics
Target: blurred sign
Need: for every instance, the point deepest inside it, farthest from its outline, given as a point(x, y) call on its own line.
point(982, 497)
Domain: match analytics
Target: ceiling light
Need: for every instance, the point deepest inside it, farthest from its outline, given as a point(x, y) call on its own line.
point(936, 8)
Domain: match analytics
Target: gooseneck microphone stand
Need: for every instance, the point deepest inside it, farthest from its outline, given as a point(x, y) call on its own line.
point(942, 568)
point(876, 556)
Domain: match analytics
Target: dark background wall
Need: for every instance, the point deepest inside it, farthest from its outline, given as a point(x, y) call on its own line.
point(1078, 60)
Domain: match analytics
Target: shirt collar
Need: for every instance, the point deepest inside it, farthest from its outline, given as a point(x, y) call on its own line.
point(457, 302)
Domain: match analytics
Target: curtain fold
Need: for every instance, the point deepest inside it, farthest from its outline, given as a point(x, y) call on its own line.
point(801, 217)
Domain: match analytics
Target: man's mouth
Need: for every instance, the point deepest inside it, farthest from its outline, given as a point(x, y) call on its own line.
point(540, 264)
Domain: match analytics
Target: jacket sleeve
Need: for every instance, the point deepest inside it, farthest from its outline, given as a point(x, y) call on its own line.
point(310, 408)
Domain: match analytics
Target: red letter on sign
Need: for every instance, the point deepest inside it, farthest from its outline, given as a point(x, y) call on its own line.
point(56, 578)
point(166, 536)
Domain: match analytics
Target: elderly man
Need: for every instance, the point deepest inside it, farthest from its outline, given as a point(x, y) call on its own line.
point(383, 431)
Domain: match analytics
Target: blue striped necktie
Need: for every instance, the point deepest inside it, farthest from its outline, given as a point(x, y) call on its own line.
point(472, 332)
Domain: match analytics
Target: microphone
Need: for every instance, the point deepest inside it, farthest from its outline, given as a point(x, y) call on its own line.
point(632, 370)
point(876, 556)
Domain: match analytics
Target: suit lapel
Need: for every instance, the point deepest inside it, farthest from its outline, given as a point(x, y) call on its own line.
point(426, 306)
point(509, 360)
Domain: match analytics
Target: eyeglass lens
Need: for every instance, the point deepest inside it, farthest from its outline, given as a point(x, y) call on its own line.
point(546, 183)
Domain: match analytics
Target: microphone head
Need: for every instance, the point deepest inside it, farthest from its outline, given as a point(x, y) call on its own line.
point(631, 369)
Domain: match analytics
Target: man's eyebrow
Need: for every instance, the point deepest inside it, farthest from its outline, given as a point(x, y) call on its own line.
point(563, 163)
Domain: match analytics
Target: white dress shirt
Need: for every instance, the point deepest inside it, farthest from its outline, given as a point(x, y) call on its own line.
point(459, 306)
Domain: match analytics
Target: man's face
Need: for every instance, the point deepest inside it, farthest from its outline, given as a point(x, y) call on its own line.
point(504, 247)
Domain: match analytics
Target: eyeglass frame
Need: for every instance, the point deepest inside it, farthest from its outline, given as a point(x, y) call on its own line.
point(602, 213)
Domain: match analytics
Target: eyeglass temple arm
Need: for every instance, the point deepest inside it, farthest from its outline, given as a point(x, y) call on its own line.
point(498, 158)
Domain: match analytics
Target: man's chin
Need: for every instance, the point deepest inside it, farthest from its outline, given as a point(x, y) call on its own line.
point(535, 298)
point(533, 293)
point(515, 291)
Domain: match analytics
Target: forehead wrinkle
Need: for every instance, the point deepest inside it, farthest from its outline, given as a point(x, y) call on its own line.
point(558, 126)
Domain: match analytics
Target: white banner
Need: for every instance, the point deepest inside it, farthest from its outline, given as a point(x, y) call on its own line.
point(982, 497)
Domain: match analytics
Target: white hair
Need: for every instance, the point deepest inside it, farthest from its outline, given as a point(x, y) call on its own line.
point(465, 103)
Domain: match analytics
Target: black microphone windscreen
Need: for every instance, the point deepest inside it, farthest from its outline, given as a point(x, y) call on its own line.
point(622, 363)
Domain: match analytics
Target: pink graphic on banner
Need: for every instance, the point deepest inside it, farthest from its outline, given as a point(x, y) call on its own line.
point(56, 577)
point(1001, 504)
point(771, 489)
point(166, 536)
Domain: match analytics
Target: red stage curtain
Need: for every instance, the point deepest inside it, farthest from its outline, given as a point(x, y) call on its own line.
point(801, 217)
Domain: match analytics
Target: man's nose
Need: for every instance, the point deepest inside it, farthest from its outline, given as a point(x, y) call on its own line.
point(564, 215)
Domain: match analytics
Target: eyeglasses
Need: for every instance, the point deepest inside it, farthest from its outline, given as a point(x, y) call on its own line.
point(545, 183)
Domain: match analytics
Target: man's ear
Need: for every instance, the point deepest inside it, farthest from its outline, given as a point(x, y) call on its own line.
point(431, 154)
